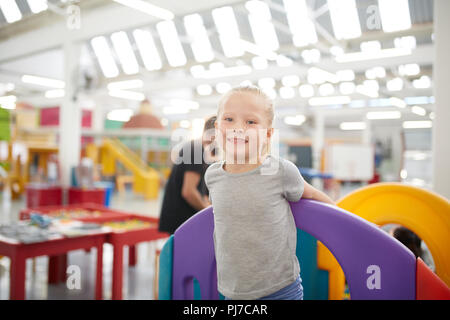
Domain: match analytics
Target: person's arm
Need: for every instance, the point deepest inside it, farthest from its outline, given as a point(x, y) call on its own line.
point(189, 190)
point(312, 193)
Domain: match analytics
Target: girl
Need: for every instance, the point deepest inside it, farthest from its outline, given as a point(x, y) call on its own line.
point(254, 229)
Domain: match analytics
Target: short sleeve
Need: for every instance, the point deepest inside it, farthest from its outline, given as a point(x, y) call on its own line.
point(293, 183)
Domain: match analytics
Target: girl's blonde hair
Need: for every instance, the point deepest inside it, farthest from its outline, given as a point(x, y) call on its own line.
point(252, 90)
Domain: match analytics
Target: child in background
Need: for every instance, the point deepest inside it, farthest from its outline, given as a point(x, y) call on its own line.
point(254, 230)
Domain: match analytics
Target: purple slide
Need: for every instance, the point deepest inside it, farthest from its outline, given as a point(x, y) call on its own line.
point(376, 265)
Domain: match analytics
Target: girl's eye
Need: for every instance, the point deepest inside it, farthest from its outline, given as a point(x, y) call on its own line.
point(251, 122)
point(228, 119)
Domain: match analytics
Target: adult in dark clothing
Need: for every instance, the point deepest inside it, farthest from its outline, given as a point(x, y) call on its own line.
point(185, 192)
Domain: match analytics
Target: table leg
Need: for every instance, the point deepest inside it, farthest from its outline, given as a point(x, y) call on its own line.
point(117, 272)
point(132, 255)
point(53, 269)
point(63, 267)
point(99, 273)
point(17, 280)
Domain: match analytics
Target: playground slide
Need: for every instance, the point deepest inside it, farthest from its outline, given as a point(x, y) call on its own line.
point(146, 179)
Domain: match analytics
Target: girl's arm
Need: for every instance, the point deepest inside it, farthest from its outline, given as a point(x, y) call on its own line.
point(312, 193)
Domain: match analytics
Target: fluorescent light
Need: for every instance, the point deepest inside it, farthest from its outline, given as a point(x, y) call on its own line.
point(259, 63)
point(126, 84)
point(306, 90)
point(258, 50)
point(8, 102)
point(370, 46)
point(270, 92)
point(324, 101)
point(125, 52)
point(290, 80)
point(148, 8)
point(204, 89)
point(408, 42)
point(185, 124)
point(10, 10)
point(37, 6)
point(300, 24)
point(431, 115)
point(396, 102)
point(104, 57)
point(266, 83)
point(395, 84)
point(394, 15)
point(368, 88)
point(417, 124)
point(336, 51)
point(228, 30)
point(326, 89)
point(379, 115)
point(352, 125)
point(147, 49)
point(260, 22)
point(411, 69)
point(403, 174)
point(375, 72)
point(344, 18)
point(171, 43)
point(363, 56)
point(345, 75)
point(419, 110)
point(319, 76)
point(129, 95)
point(419, 100)
point(223, 87)
point(295, 120)
point(283, 61)
point(55, 93)
point(201, 46)
point(311, 56)
point(423, 83)
point(122, 115)
point(42, 81)
point(347, 88)
point(287, 92)
point(221, 73)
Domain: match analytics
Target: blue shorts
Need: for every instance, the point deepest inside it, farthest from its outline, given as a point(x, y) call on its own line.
point(294, 291)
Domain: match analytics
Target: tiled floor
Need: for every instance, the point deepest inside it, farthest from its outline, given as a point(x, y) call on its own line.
point(138, 280)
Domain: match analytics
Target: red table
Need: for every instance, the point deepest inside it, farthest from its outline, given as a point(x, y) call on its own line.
point(19, 252)
point(118, 239)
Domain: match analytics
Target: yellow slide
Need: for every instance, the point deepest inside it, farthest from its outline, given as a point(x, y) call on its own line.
point(146, 179)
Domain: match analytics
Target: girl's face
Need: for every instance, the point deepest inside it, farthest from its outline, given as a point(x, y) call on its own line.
point(243, 127)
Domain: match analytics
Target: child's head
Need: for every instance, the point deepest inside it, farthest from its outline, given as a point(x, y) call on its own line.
point(244, 123)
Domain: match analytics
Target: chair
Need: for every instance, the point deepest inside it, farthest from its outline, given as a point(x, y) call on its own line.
point(376, 265)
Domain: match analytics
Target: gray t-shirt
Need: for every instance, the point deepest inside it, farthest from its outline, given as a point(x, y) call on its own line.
point(255, 236)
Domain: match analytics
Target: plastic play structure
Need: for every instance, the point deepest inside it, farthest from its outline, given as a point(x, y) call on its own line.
point(145, 179)
point(376, 265)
